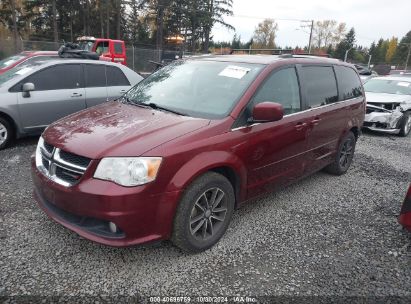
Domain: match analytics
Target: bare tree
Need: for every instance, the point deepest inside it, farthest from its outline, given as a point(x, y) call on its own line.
point(15, 29)
point(265, 34)
point(100, 11)
point(108, 18)
point(118, 19)
point(55, 32)
point(328, 32)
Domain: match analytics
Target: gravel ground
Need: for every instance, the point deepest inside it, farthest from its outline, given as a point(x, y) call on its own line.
point(325, 235)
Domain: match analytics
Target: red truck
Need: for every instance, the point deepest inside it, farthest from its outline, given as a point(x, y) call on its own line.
point(114, 50)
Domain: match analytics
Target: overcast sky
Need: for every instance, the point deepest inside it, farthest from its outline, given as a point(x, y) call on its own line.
point(372, 19)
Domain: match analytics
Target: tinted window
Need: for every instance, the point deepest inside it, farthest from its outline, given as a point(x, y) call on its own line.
point(64, 76)
point(118, 48)
point(349, 83)
point(281, 87)
point(320, 84)
point(95, 75)
point(115, 77)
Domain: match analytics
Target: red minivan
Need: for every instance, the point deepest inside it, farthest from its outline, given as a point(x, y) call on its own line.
point(177, 154)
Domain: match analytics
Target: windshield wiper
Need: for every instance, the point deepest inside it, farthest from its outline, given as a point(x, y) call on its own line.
point(157, 107)
point(127, 100)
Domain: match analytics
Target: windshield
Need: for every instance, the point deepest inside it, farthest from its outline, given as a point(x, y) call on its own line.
point(197, 88)
point(21, 69)
point(9, 61)
point(399, 87)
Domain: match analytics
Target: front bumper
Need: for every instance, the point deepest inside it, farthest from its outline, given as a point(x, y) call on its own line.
point(381, 120)
point(88, 207)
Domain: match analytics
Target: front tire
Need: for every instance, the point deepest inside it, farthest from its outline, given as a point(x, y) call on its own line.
point(344, 156)
point(204, 213)
point(405, 124)
point(6, 133)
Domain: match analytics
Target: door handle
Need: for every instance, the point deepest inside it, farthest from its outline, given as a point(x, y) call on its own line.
point(76, 95)
point(300, 126)
point(316, 121)
point(123, 91)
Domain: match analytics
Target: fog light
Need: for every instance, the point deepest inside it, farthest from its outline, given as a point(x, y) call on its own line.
point(113, 227)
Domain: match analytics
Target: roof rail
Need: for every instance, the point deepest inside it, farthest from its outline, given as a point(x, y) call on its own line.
point(304, 55)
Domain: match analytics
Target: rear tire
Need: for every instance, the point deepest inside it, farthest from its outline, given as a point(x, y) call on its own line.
point(405, 124)
point(204, 213)
point(6, 132)
point(344, 156)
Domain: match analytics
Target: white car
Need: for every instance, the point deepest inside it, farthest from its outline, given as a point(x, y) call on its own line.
point(388, 105)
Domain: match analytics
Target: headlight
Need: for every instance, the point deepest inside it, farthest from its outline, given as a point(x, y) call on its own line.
point(128, 171)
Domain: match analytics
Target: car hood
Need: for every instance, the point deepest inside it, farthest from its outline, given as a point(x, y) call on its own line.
point(386, 98)
point(116, 129)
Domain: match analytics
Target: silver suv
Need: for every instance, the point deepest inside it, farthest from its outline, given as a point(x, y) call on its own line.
point(36, 94)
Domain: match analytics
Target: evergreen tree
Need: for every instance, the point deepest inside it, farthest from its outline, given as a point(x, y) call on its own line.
point(345, 45)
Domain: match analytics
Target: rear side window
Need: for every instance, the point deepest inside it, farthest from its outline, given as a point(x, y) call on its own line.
point(349, 83)
point(95, 75)
point(116, 77)
point(281, 87)
point(118, 48)
point(64, 76)
point(320, 84)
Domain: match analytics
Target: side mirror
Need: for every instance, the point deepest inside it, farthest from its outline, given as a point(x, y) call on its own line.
point(266, 112)
point(27, 88)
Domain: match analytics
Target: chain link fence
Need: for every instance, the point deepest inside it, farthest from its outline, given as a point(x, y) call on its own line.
point(141, 60)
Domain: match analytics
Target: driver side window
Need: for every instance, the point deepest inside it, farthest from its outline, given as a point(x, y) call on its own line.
point(281, 87)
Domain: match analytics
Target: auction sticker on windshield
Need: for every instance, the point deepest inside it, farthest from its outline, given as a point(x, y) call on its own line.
point(234, 72)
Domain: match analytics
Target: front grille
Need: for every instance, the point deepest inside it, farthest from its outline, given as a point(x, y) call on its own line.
point(60, 166)
point(67, 175)
point(75, 159)
point(48, 148)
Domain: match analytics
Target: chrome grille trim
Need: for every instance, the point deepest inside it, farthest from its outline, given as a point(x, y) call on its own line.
point(55, 161)
point(61, 161)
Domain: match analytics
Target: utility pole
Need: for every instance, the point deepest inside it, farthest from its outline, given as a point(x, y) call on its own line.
point(311, 37)
point(346, 54)
point(311, 25)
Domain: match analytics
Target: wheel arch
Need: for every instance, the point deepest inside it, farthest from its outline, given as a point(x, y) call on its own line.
point(222, 162)
point(11, 121)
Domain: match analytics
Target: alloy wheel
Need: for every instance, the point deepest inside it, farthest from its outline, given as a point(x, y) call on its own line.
point(208, 214)
point(3, 133)
point(347, 152)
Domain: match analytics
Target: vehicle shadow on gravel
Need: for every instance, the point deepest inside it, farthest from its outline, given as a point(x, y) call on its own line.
point(23, 142)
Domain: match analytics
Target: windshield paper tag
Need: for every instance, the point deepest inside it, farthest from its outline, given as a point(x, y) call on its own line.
point(403, 84)
point(234, 72)
point(23, 71)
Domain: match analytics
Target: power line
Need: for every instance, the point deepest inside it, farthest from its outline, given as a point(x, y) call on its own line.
point(261, 18)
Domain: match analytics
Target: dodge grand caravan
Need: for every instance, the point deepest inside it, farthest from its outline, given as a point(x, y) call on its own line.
point(185, 147)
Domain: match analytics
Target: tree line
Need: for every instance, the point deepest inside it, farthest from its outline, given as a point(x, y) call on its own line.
point(332, 38)
point(165, 23)
point(140, 22)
